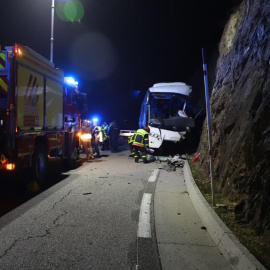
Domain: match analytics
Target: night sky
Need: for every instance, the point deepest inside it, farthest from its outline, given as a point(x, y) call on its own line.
point(120, 48)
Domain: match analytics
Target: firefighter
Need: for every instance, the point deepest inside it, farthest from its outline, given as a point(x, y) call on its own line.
point(130, 144)
point(141, 144)
point(105, 143)
point(108, 133)
point(86, 137)
point(114, 136)
point(97, 138)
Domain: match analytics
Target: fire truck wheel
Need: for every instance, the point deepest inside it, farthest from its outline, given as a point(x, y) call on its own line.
point(73, 155)
point(40, 165)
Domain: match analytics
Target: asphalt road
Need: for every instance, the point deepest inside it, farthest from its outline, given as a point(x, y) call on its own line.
point(87, 218)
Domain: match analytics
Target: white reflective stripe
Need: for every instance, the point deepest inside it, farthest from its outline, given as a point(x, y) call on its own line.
point(144, 229)
point(154, 176)
point(86, 137)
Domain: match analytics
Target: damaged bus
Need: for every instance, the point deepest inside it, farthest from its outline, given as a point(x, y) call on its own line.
point(166, 109)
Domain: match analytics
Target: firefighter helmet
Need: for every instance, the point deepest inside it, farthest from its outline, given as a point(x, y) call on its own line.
point(147, 128)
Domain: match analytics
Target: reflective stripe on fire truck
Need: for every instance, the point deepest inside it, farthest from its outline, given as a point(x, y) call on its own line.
point(24, 154)
point(3, 84)
point(3, 57)
point(3, 78)
point(3, 159)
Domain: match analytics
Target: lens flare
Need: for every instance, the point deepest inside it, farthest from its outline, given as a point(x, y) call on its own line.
point(70, 11)
point(95, 54)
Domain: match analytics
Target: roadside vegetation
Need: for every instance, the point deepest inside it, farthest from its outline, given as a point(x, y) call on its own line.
point(255, 243)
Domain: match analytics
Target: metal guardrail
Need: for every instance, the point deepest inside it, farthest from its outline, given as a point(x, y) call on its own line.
point(126, 133)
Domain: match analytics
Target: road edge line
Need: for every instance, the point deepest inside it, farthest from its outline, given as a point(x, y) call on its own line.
point(144, 226)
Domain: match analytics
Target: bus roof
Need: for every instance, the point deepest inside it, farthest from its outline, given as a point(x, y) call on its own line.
point(175, 87)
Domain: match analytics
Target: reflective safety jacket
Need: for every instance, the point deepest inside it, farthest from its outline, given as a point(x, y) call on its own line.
point(141, 138)
point(131, 139)
point(98, 133)
point(104, 133)
point(86, 129)
point(86, 134)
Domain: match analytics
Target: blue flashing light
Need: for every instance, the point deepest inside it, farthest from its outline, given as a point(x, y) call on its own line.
point(136, 93)
point(95, 120)
point(71, 81)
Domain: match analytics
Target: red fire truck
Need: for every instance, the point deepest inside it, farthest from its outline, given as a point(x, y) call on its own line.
point(39, 114)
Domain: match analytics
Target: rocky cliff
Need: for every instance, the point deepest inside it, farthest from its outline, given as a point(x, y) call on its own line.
point(240, 112)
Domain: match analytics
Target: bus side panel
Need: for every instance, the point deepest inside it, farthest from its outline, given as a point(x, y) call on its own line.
point(30, 112)
point(54, 104)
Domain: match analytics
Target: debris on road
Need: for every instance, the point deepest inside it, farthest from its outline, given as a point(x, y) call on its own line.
point(175, 161)
point(87, 193)
point(150, 158)
point(224, 206)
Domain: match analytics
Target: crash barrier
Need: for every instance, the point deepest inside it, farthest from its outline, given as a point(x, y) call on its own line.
point(126, 133)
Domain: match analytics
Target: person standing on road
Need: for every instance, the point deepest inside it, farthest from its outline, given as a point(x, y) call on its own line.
point(114, 136)
point(97, 137)
point(140, 144)
point(108, 133)
point(86, 137)
point(105, 143)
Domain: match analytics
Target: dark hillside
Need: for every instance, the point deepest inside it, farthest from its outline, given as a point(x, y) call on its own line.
point(240, 105)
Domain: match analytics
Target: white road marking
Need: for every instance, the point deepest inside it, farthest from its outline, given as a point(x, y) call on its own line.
point(144, 229)
point(154, 176)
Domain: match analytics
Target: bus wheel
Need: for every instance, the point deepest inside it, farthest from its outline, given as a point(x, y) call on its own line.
point(40, 165)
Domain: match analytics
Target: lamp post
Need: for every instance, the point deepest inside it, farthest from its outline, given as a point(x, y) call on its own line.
point(52, 25)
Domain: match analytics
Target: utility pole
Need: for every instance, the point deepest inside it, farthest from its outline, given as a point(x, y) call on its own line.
point(209, 128)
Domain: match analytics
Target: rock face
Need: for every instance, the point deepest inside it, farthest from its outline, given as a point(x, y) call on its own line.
point(240, 112)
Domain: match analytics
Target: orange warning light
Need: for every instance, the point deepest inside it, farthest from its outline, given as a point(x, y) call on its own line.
point(10, 166)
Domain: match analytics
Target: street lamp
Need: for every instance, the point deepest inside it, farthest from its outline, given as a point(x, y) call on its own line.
point(52, 25)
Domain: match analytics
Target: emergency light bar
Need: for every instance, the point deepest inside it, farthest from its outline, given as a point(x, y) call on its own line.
point(71, 81)
point(16, 50)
